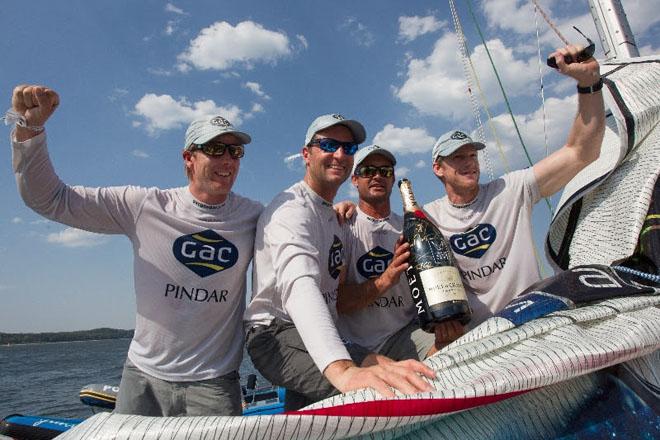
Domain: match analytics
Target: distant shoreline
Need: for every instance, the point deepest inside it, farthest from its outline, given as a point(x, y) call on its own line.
point(75, 336)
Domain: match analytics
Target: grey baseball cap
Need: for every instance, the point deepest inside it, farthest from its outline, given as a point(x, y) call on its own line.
point(203, 130)
point(325, 121)
point(452, 141)
point(367, 151)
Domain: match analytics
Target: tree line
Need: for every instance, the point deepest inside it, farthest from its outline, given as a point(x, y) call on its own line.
point(80, 335)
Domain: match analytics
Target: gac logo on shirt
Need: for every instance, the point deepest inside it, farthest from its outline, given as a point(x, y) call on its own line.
point(335, 257)
point(475, 242)
point(374, 262)
point(205, 253)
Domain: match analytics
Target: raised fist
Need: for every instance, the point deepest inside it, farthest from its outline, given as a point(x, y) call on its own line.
point(36, 103)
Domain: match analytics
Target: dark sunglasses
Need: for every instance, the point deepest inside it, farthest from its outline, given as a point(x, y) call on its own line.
point(215, 148)
point(371, 171)
point(331, 145)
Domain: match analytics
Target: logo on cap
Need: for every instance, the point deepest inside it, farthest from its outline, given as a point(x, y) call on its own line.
point(205, 253)
point(459, 135)
point(338, 116)
point(220, 122)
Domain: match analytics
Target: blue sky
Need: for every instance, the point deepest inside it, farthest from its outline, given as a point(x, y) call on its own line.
point(132, 75)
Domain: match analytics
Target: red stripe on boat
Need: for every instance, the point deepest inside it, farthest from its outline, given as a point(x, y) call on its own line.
point(405, 407)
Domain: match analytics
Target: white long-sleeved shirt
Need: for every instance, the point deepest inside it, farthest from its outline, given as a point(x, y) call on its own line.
point(297, 259)
point(189, 265)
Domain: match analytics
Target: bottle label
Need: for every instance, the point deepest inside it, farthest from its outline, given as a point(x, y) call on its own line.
point(442, 284)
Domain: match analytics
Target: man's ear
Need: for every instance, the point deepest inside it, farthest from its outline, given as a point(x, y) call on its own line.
point(354, 180)
point(437, 170)
point(305, 154)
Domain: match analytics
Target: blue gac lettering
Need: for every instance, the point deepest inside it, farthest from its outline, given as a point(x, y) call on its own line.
point(205, 253)
point(374, 262)
point(335, 257)
point(475, 242)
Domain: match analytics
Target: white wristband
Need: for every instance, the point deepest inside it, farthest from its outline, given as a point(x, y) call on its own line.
point(11, 117)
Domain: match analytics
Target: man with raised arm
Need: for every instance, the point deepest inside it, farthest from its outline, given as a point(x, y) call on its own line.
point(489, 227)
point(374, 304)
point(191, 249)
point(299, 246)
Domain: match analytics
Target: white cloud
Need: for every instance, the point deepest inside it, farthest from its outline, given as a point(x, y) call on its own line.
point(171, 8)
point(519, 15)
point(158, 71)
point(117, 94)
point(362, 36)
point(71, 237)
point(648, 50)
point(222, 46)
point(162, 112)
point(139, 153)
point(255, 87)
point(294, 161)
point(412, 27)
point(17, 220)
point(404, 140)
point(402, 171)
point(257, 108)
point(560, 114)
point(170, 27)
point(420, 164)
point(436, 85)
point(303, 41)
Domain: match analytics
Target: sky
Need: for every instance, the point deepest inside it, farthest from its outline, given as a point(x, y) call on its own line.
point(132, 75)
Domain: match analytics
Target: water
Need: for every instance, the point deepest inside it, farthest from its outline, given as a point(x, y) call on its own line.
point(45, 379)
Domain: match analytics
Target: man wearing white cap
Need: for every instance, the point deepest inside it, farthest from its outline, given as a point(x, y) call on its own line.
point(191, 245)
point(299, 246)
point(374, 304)
point(489, 226)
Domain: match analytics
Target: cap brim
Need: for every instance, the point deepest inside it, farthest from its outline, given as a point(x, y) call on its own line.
point(379, 151)
point(477, 145)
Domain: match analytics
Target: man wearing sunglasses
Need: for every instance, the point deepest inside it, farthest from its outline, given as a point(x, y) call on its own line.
point(192, 246)
point(299, 246)
point(374, 304)
point(489, 226)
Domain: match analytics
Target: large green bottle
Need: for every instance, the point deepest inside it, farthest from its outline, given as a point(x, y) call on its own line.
point(435, 282)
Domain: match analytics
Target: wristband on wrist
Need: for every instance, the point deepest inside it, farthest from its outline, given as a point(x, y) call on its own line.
point(11, 117)
point(592, 88)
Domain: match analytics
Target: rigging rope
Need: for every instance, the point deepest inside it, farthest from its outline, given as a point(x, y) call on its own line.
point(538, 49)
point(506, 99)
point(482, 95)
point(460, 36)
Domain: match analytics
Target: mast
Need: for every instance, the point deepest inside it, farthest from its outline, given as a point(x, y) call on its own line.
point(613, 28)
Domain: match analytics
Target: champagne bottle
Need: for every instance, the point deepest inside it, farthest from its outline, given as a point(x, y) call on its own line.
point(435, 283)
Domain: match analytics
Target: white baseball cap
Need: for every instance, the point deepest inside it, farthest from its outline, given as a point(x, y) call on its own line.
point(329, 120)
point(203, 130)
point(367, 151)
point(452, 141)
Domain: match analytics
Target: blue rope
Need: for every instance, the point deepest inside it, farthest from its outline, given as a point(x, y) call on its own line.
point(647, 276)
